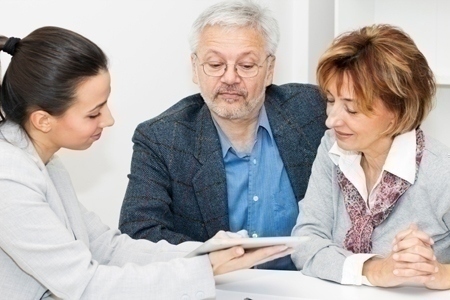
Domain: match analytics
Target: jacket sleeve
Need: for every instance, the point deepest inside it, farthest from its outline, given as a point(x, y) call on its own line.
point(146, 210)
point(319, 257)
point(109, 246)
point(41, 245)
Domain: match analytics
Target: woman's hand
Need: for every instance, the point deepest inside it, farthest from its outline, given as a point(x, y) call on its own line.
point(412, 260)
point(236, 258)
point(415, 256)
point(385, 272)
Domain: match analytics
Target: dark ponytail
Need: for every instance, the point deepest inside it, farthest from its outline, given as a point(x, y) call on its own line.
point(46, 68)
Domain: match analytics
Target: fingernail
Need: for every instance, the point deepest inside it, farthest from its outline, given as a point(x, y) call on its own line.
point(395, 248)
point(434, 257)
point(395, 256)
point(432, 278)
point(436, 269)
point(395, 272)
point(240, 251)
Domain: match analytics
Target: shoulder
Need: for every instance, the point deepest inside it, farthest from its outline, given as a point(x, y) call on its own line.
point(434, 170)
point(14, 157)
point(326, 143)
point(301, 102)
point(295, 92)
point(18, 168)
point(185, 110)
point(436, 155)
point(328, 139)
point(434, 175)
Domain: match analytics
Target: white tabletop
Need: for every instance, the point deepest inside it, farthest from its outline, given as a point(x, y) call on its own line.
point(288, 285)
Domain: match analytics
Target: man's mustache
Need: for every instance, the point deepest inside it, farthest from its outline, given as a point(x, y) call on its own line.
point(231, 89)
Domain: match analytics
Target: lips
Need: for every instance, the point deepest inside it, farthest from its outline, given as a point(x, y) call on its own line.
point(342, 134)
point(230, 96)
point(231, 91)
point(97, 136)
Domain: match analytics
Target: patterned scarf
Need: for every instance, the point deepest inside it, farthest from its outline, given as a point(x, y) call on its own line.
point(359, 237)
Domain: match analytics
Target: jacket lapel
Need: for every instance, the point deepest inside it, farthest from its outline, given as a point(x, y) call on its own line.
point(293, 147)
point(64, 195)
point(210, 182)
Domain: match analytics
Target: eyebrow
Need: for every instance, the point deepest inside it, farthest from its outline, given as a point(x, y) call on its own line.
point(98, 106)
point(210, 51)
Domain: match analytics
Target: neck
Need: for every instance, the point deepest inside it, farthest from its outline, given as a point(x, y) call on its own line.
point(240, 132)
point(372, 162)
point(41, 143)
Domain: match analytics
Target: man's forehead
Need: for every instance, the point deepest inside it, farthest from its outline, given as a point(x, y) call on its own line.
point(244, 40)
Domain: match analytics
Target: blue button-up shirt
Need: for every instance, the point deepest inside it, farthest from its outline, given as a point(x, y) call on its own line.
point(260, 195)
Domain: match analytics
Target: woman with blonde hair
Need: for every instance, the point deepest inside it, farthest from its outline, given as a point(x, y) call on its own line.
point(377, 178)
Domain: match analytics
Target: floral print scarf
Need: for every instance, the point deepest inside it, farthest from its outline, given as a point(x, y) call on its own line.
point(359, 237)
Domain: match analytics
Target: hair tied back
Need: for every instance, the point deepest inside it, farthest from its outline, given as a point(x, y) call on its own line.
point(10, 45)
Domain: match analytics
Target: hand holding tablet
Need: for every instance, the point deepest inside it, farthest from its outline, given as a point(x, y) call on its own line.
point(215, 243)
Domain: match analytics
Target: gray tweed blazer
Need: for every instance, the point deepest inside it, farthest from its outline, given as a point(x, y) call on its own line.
point(177, 186)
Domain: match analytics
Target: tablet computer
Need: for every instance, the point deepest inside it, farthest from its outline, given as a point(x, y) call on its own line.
point(215, 244)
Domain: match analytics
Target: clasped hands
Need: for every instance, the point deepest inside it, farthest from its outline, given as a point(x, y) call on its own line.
point(411, 260)
point(237, 258)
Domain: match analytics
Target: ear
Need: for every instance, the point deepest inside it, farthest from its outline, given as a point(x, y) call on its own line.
point(271, 67)
point(194, 68)
point(393, 124)
point(41, 120)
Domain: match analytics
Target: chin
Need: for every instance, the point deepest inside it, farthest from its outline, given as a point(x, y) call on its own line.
point(80, 147)
point(345, 147)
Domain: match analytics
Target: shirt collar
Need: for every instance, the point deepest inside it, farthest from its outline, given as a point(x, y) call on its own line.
point(401, 159)
point(263, 121)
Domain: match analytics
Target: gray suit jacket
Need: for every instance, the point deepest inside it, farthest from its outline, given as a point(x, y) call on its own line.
point(49, 241)
point(177, 186)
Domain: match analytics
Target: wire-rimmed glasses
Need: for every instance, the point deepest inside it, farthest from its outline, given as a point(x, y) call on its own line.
point(244, 69)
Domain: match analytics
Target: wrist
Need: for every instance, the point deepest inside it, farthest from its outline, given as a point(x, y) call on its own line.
point(369, 270)
point(446, 276)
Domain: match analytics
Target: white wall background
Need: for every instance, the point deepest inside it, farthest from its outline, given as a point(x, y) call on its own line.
point(146, 42)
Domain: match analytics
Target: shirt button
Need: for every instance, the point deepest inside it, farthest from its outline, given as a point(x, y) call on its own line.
point(185, 297)
point(255, 198)
point(254, 235)
point(200, 295)
point(254, 161)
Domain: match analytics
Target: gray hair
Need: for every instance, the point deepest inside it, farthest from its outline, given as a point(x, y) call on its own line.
point(232, 14)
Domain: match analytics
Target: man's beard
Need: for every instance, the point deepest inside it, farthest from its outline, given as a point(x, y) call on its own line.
point(241, 111)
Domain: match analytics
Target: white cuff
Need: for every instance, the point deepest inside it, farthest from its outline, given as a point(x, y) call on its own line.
point(365, 281)
point(352, 271)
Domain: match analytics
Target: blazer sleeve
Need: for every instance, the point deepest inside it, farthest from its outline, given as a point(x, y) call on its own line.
point(319, 257)
point(43, 247)
point(146, 210)
point(109, 246)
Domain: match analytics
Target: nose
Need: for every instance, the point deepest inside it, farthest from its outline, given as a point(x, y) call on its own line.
point(107, 119)
point(334, 115)
point(230, 76)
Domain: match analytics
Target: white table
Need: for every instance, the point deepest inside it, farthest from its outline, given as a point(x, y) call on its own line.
point(289, 285)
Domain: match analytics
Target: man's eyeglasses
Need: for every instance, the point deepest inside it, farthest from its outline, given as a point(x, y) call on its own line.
point(244, 70)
